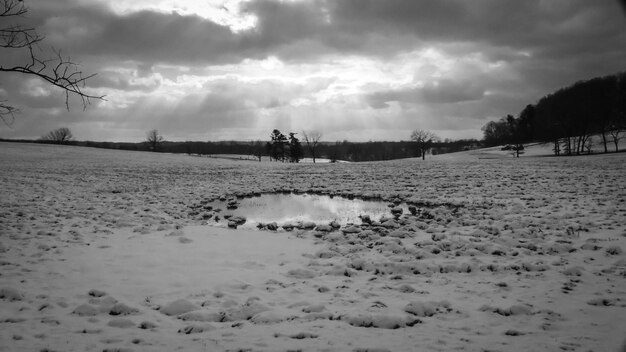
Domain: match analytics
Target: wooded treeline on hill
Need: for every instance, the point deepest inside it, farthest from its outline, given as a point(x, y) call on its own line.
point(568, 118)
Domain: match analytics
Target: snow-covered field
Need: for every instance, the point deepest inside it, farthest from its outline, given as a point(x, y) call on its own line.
point(106, 250)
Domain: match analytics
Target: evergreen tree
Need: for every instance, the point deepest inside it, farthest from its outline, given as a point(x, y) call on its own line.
point(295, 148)
point(278, 150)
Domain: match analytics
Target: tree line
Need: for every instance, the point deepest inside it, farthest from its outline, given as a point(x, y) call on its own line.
point(568, 118)
point(279, 147)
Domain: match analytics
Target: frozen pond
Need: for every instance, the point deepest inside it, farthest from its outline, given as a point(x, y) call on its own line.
point(293, 208)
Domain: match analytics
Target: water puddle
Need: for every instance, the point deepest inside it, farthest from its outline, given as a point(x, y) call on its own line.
point(299, 208)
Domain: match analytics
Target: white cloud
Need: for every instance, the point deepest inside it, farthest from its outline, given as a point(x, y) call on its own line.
point(224, 12)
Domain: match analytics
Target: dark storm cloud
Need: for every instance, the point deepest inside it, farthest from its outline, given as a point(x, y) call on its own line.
point(306, 29)
point(550, 29)
point(180, 39)
point(440, 92)
point(142, 36)
point(521, 24)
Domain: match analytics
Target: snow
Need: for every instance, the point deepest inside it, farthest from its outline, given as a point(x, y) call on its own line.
point(107, 250)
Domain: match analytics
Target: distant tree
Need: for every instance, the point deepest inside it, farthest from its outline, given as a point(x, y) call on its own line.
point(517, 132)
point(423, 140)
point(257, 150)
point(154, 140)
point(295, 148)
point(269, 149)
point(497, 132)
point(188, 147)
point(617, 121)
point(277, 145)
point(55, 69)
point(354, 151)
point(524, 124)
point(60, 136)
point(312, 139)
point(335, 152)
point(617, 134)
point(588, 145)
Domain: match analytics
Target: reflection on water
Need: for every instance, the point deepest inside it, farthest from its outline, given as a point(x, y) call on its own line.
point(291, 208)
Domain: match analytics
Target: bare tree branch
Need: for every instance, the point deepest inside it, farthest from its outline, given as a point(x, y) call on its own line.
point(57, 70)
point(7, 113)
point(9, 8)
point(17, 37)
point(60, 72)
point(311, 139)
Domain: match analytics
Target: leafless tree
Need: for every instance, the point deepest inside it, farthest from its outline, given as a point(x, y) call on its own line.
point(55, 69)
point(154, 140)
point(60, 136)
point(424, 141)
point(312, 139)
point(616, 134)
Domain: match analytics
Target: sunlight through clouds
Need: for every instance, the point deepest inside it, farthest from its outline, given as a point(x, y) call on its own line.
point(224, 12)
point(353, 69)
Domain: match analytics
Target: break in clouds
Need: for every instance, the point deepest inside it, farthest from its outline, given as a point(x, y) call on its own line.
point(352, 69)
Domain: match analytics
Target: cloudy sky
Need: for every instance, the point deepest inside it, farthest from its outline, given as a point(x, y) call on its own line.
point(352, 69)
